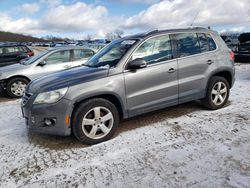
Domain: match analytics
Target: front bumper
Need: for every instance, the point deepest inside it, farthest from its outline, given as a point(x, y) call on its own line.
point(2, 85)
point(36, 115)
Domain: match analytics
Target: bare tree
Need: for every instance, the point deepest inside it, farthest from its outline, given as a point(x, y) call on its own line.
point(114, 35)
point(118, 33)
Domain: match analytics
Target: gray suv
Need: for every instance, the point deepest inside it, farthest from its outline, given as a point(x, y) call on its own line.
point(131, 76)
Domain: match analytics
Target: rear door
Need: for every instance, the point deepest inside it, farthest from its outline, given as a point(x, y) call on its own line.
point(195, 59)
point(156, 85)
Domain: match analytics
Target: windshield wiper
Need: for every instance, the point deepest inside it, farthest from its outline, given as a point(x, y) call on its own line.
point(87, 65)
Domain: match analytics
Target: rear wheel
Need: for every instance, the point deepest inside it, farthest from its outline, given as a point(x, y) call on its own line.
point(95, 121)
point(15, 87)
point(217, 93)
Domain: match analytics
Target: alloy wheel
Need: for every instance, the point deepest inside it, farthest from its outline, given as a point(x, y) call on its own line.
point(97, 122)
point(219, 93)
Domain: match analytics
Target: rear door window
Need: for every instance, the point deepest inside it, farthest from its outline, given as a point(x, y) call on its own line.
point(82, 54)
point(187, 44)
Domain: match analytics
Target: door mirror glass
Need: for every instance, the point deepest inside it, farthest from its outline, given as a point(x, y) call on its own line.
point(43, 63)
point(137, 64)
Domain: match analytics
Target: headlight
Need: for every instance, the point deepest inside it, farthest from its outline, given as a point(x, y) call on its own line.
point(50, 96)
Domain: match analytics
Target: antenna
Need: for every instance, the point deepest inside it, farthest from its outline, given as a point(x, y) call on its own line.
point(195, 18)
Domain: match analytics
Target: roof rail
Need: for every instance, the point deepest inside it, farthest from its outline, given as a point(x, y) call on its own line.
point(179, 27)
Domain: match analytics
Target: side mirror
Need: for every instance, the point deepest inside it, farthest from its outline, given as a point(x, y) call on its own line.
point(137, 64)
point(42, 63)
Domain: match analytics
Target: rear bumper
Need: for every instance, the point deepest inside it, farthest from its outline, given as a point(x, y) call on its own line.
point(36, 115)
point(242, 55)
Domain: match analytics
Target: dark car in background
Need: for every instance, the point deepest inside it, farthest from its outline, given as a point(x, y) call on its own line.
point(243, 50)
point(11, 53)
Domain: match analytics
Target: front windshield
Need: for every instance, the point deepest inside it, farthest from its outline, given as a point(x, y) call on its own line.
point(34, 58)
point(111, 54)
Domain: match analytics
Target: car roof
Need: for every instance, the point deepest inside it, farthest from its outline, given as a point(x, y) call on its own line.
point(168, 30)
point(11, 45)
point(69, 48)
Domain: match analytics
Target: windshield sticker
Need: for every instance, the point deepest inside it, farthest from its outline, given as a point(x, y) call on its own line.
point(128, 42)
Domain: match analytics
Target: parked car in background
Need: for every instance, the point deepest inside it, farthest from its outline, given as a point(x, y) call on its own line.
point(231, 40)
point(128, 77)
point(14, 78)
point(242, 52)
point(12, 53)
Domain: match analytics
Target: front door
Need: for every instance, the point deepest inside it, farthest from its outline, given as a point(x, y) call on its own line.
point(56, 61)
point(155, 86)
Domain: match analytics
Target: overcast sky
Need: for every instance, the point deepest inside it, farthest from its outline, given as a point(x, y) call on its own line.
point(74, 18)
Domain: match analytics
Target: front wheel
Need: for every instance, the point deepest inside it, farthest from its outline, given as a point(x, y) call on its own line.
point(95, 121)
point(217, 93)
point(15, 87)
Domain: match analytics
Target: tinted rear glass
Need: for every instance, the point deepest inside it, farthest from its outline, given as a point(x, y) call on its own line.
point(204, 45)
point(212, 45)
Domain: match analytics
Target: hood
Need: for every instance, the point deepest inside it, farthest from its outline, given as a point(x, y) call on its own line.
point(66, 78)
point(14, 67)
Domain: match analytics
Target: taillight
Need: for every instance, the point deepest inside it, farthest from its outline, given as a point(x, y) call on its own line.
point(30, 53)
point(231, 54)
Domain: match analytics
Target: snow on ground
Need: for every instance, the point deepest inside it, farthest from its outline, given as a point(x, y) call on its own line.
point(183, 146)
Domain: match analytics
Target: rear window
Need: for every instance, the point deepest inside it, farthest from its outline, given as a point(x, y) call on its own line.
point(187, 44)
point(212, 45)
point(204, 45)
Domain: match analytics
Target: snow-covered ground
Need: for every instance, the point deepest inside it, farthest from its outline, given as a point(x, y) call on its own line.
point(183, 146)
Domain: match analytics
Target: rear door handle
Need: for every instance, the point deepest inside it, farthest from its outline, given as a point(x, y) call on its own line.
point(171, 70)
point(209, 62)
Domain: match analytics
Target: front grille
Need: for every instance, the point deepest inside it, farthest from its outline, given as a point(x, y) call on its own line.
point(26, 98)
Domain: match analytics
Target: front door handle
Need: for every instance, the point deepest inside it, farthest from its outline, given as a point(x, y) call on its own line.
point(209, 62)
point(66, 66)
point(171, 70)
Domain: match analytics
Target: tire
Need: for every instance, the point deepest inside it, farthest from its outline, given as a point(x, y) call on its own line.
point(15, 87)
point(218, 90)
point(95, 128)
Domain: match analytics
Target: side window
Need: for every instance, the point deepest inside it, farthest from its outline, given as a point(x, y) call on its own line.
point(203, 42)
point(82, 54)
point(1, 51)
point(23, 49)
point(212, 45)
point(187, 44)
point(155, 50)
point(7, 50)
point(58, 57)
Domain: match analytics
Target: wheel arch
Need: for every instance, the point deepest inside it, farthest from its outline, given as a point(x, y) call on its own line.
point(17, 76)
point(111, 97)
point(223, 73)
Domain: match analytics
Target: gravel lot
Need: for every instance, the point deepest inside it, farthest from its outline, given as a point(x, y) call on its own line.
point(183, 146)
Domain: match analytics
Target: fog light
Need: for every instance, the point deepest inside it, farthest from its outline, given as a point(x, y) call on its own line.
point(49, 121)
